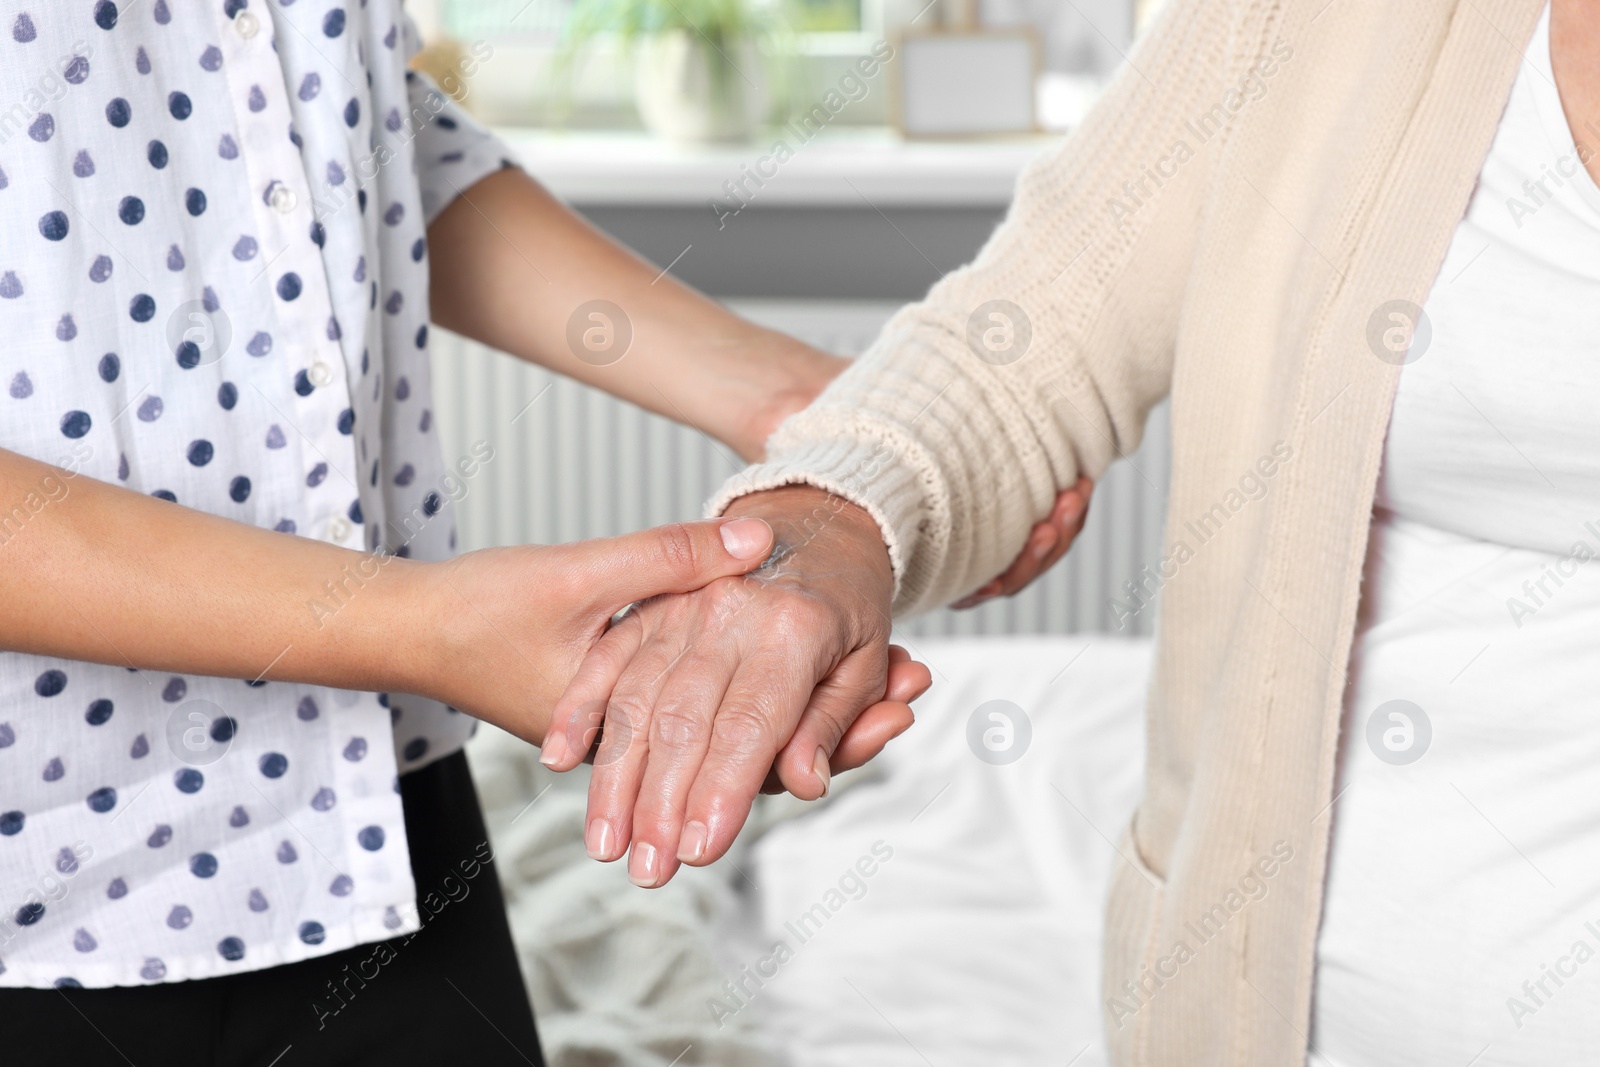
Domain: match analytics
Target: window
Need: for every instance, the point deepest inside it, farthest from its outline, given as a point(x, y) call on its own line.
point(825, 16)
point(532, 20)
point(490, 20)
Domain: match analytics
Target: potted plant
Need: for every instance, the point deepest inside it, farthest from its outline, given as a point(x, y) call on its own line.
point(699, 74)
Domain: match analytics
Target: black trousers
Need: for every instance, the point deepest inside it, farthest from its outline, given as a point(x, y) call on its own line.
point(451, 993)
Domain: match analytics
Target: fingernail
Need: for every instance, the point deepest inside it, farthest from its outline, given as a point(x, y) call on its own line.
point(598, 840)
point(746, 538)
point(692, 845)
point(554, 750)
point(819, 767)
point(1073, 509)
point(642, 866)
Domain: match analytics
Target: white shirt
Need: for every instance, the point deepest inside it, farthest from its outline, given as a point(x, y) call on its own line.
point(213, 289)
point(1462, 917)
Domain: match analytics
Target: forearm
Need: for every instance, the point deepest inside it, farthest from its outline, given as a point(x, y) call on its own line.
point(92, 571)
point(510, 265)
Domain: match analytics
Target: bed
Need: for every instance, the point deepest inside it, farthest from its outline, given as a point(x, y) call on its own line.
point(941, 907)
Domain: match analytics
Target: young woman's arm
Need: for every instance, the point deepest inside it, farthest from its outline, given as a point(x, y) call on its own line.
point(511, 265)
point(92, 571)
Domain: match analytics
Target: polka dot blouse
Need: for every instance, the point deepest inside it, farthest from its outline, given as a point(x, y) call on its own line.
point(214, 289)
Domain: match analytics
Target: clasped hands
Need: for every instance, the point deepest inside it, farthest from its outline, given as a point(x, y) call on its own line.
point(781, 676)
point(755, 657)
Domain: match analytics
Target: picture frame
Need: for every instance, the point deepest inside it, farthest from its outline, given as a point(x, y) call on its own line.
point(965, 84)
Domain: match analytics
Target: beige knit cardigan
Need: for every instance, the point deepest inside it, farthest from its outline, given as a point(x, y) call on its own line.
point(1232, 225)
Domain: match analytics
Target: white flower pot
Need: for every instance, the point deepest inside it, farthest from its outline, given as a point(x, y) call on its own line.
point(690, 91)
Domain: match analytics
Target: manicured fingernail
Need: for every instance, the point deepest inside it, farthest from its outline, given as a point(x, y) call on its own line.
point(746, 538)
point(819, 767)
point(554, 750)
point(643, 866)
point(1073, 509)
point(692, 845)
point(598, 840)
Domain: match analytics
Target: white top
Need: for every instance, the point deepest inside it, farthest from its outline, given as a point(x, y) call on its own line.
point(213, 289)
point(1462, 918)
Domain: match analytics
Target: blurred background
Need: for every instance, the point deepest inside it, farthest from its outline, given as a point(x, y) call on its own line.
point(659, 120)
point(815, 164)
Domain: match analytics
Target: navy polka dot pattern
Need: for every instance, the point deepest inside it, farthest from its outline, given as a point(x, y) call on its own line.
point(213, 289)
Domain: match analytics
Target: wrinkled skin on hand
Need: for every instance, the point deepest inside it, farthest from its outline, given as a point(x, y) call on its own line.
point(707, 693)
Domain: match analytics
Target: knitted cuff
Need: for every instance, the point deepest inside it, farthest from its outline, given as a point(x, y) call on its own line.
point(866, 473)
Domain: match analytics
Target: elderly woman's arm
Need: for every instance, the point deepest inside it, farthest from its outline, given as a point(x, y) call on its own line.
point(1040, 361)
point(918, 473)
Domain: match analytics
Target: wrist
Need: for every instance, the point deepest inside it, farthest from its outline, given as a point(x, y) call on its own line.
point(423, 631)
point(787, 376)
point(831, 549)
point(465, 642)
point(804, 517)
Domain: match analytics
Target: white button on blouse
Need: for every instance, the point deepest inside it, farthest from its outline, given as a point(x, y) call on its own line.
point(214, 290)
point(282, 198)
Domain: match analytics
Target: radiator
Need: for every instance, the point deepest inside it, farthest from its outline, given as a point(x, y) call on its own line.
point(571, 462)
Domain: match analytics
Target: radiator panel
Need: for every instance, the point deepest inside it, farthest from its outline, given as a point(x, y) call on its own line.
point(571, 462)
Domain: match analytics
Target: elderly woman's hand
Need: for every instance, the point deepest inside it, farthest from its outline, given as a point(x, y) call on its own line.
point(702, 694)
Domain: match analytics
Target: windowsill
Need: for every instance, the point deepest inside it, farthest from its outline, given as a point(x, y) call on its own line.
point(862, 166)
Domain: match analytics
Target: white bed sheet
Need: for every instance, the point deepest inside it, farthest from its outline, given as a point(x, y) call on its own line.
point(978, 940)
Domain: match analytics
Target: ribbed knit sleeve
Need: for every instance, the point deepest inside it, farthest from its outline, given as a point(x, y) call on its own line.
point(1042, 358)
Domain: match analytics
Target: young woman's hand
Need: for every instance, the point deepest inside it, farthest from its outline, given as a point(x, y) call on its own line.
point(96, 572)
point(511, 625)
point(1047, 542)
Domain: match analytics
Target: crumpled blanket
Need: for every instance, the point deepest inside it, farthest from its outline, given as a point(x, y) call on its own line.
point(619, 976)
